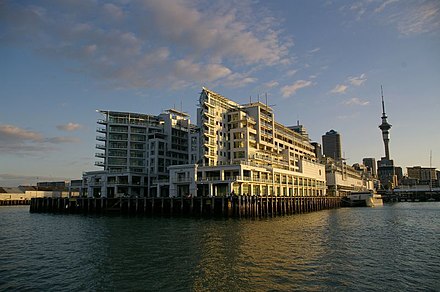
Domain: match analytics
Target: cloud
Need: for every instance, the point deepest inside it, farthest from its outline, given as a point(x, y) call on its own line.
point(409, 17)
point(290, 90)
point(15, 140)
point(144, 44)
point(292, 72)
point(356, 101)
point(340, 88)
point(271, 84)
point(113, 11)
point(422, 18)
point(69, 127)
point(381, 8)
point(59, 140)
point(357, 81)
point(315, 50)
point(13, 133)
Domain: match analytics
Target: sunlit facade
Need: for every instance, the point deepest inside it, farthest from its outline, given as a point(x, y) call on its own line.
point(244, 151)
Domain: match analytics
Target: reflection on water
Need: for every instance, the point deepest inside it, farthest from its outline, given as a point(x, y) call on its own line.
point(394, 247)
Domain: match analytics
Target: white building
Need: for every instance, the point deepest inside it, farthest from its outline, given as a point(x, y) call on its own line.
point(244, 151)
point(343, 179)
point(136, 151)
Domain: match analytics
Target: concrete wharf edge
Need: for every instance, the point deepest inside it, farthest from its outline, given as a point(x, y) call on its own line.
point(227, 207)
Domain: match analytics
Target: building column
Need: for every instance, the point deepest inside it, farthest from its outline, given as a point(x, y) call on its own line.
point(104, 190)
point(211, 189)
point(89, 191)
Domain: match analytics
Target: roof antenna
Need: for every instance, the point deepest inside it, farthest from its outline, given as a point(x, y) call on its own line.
point(383, 103)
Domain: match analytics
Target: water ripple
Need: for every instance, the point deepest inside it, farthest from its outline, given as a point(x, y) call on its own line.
point(391, 248)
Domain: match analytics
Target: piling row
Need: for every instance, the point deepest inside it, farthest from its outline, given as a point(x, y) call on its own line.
point(15, 202)
point(235, 207)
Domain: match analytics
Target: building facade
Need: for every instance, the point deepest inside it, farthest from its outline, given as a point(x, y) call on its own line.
point(370, 163)
point(244, 151)
point(331, 145)
point(423, 175)
point(135, 151)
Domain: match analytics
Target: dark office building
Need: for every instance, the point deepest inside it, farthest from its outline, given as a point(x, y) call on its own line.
point(331, 144)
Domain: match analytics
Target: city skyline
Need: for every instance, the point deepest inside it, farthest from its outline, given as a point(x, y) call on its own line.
point(317, 62)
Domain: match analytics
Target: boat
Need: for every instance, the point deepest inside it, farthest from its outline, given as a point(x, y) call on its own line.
point(362, 199)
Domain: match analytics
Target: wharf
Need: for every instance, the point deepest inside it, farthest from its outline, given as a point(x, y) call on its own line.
point(15, 202)
point(234, 207)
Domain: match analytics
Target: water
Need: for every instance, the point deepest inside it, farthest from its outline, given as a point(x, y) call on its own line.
point(395, 248)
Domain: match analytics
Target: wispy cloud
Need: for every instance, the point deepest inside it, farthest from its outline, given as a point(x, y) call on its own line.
point(409, 17)
point(381, 8)
point(271, 84)
point(290, 90)
point(422, 18)
point(340, 88)
point(350, 81)
point(291, 72)
point(15, 140)
point(357, 80)
point(153, 43)
point(356, 101)
point(69, 127)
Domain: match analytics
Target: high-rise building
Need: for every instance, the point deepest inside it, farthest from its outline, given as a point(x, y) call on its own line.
point(331, 145)
point(135, 151)
point(370, 163)
point(244, 151)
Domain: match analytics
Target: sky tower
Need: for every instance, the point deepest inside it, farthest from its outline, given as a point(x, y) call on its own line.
point(385, 127)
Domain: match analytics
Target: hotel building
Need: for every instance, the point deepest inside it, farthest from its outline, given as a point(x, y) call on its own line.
point(244, 151)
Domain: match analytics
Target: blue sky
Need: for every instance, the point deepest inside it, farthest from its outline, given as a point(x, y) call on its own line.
point(319, 62)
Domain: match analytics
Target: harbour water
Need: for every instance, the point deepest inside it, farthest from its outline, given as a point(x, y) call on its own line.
point(395, 247)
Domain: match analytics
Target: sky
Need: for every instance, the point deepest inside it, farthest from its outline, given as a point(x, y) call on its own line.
point(321, 63)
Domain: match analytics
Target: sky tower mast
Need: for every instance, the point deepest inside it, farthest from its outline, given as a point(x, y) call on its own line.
point(385, 127)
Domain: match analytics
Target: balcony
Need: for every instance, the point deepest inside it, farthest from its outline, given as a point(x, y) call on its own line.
point(209, 114)
point(208, 104)
point(101, 138)
point(101, 130)
point(100, 155)
point(209, 133)
point(100, 163)
point(99, 146)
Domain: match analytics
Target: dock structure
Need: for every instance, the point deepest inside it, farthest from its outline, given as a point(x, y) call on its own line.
point(226, 207)
point(15, 202)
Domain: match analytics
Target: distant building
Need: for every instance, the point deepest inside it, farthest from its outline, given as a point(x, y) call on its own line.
point(343, 179)
point(331, 144)
point(318, 150)
point(370, 163)
point(424, 175)
point(386, 173)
